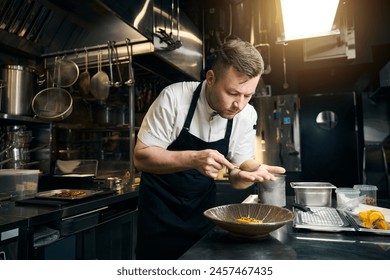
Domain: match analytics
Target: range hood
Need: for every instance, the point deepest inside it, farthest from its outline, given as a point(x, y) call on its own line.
point(49, 28)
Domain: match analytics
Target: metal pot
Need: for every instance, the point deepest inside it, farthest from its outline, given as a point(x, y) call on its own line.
point(114, 183)
point(106, 115)
point(19, 84)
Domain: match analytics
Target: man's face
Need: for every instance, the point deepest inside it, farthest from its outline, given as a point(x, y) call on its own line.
point(230, 93)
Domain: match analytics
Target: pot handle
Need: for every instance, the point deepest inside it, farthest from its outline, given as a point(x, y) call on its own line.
point(36, 149)
point(41, 79)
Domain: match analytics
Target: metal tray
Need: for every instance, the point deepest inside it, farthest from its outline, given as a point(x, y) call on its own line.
point(67, 194)
point(321, 223)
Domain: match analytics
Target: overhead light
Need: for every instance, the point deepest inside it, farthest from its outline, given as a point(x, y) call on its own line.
point(304, 19)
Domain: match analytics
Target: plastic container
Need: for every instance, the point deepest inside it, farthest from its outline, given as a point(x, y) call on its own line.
point(369, 191)
point(18, 183)
point(347, 198)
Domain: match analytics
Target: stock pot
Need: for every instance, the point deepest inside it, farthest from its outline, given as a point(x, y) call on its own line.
point(18, 87)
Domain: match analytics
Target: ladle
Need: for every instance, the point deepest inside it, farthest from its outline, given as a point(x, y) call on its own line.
point(109, 49)
point(285, 83)
point(130, 81)
point(120, 82)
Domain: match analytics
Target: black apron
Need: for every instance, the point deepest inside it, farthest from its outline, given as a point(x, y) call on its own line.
point(171, 206)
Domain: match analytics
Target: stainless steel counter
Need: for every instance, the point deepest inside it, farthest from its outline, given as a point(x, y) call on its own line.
point(36, 213)
point(288, 243)
point(78, 228)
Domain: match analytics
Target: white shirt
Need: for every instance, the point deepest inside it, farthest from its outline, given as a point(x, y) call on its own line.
point(165, 119)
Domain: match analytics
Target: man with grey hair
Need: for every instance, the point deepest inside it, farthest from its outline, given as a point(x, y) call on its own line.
point(191, 132)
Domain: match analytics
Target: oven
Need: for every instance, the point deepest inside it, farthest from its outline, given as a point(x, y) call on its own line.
point(105, 233)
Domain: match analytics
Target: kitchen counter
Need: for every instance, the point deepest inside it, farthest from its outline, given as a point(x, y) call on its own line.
point(288, 243)
point(78, 228)
point(36, 213)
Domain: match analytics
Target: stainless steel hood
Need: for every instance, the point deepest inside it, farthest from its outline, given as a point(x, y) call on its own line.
point(45, 28)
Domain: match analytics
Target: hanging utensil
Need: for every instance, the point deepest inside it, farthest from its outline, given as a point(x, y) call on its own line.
point(120, 82)
point(85, 77)
point(178, 43)
point(100, 87)
point(130, 81)
point(66, 72)
point(109, 49)
point(285, 83)
point(54, 103)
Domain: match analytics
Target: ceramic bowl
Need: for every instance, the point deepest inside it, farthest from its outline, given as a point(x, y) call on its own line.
point(273, 218)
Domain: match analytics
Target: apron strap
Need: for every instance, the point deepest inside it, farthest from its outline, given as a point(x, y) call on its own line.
point(191, 111)
point(192, 107)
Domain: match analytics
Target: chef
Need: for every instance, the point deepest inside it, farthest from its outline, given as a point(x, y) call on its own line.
point(191, 132)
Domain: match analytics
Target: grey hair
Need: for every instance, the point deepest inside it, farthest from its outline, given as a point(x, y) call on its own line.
point(242, 55)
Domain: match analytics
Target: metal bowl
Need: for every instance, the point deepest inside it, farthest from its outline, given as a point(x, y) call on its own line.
point(273, 218)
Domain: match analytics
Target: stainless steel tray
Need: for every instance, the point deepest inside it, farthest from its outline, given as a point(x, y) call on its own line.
point(67, 194)
point(319, 222)
point(351, 222)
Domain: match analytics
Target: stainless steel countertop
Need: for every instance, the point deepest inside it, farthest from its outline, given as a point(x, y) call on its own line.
point(39, 214)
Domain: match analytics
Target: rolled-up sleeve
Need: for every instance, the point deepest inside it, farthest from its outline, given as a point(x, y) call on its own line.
point(157, 128)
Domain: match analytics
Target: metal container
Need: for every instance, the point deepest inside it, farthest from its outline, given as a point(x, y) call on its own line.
point(114, 183)
point(19, 83)
point(273, 192)
point(315, 194)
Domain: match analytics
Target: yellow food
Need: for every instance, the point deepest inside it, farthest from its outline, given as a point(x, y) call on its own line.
point(373, 219)
point(248, 220)
point(250, 165)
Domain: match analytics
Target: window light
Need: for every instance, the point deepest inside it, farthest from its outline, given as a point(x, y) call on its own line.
point(308, 18)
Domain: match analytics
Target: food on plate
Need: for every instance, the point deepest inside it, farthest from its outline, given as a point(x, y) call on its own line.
point(250, 165)
point(69, 194)
point(373, 219)
point(248, 220)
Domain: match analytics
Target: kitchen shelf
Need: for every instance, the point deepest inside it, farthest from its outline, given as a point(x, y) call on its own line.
point(93, 128)
point(11, 119)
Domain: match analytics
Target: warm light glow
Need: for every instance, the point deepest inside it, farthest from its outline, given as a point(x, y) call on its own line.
point(308, 18)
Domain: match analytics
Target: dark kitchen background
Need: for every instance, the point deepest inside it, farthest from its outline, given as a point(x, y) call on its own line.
point(323, 103)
